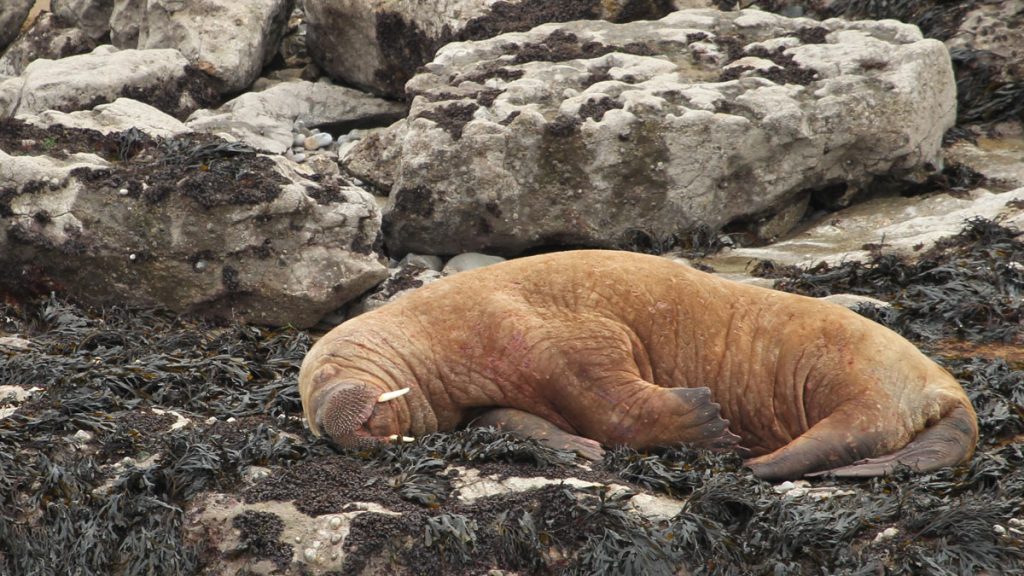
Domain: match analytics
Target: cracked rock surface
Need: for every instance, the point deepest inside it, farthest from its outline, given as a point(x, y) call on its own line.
point(594, 133)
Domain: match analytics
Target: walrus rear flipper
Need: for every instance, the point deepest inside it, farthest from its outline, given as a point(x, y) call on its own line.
point(545, 432)
point(949, 442)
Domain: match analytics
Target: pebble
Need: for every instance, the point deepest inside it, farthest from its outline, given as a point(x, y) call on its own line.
point(317, 141)
point(999, 530)
point(335, 523)
point(82, 437)
point(299, 139)
point(886, 534)
point(425, 261)
point(309, 554)
point(123, 191)
point(298, 158)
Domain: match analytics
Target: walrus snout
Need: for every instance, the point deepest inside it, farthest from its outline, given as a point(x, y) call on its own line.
point(356, 415)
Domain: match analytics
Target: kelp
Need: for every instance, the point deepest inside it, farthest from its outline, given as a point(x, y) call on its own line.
point(94, 481)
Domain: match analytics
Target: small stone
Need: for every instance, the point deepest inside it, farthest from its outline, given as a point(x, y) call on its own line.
point(299, 139)
point(298, 158)
point(335, 523)
point(309, 554)
point(425, 261)
point(230, 420)
point(82, 437)
point(200, 266)
point(123, 191)
point(132, 257)
point(335, 538)
point(999, 530)
point(886, 534)
point(784, 487)
point(317, 141)
point(211, 420)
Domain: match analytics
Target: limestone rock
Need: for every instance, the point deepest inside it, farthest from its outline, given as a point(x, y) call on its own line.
point(12, 15)
point(125, 20)
point(90, 16)
point(120, 115)
point(379, 44)
point(278, 249)
point(265, 119)
point(48, 37)
point(612, 135)
point(230, 41)
point(161, 78)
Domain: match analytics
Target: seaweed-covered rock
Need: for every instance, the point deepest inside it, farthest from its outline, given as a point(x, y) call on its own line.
point(593, 133)
point(193, 224)
point(378, 45)
point(266, 119)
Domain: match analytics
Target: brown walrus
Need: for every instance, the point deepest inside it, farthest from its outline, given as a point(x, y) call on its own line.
point(594, 347)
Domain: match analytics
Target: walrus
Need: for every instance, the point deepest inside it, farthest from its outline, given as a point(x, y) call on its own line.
point(595, 348)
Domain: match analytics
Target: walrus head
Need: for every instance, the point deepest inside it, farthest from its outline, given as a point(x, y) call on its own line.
point(355, 415)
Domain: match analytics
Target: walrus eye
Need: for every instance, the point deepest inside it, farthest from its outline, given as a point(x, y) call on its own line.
point(392, 395)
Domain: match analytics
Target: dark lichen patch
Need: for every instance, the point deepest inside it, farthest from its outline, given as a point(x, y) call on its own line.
point(260, 537)
point(560, 46)
point(186, 94)
point(486, 70)
point(404, 48)
point(812, 34)
point(20, 138)
point(452, 117)
point(504, 17)
point(785, 71)
point(416, 201)
point(562, 127)
point(594, 108)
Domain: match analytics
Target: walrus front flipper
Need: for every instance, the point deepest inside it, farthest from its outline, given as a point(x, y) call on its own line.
point(947, 443)
point(533, 426)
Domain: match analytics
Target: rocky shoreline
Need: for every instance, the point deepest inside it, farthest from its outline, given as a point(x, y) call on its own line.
point(190, 193)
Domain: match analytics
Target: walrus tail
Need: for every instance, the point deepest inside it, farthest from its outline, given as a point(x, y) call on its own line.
point(948, 442)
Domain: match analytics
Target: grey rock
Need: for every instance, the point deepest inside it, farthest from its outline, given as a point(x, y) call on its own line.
point(231, 41)
point(90, 16)
point(601, 134)
point(117, 116)
point(49, 38)
point(125, 20)
point(379, 44)
point(287, 260)
point(425, 261)
point(401, 280)
point(83, 81)
point(13, 14)
point(265, 120)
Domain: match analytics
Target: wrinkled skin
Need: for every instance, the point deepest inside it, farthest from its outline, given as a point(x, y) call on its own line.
point(590, 348)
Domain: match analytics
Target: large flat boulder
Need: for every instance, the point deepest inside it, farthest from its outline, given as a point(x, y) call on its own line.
point(161, 78)
point(612, 135)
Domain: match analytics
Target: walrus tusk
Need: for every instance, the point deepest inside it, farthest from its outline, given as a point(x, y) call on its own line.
point(395, 437)
point(392, 395)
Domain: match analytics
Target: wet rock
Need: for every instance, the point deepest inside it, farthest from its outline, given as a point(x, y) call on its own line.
point(161, 78)
point(893, 225)
point(48, 37)
point(12, 15)
point(265, 119)
point(401, 280)
point(600, 134)
point(230, 41)
point(228, 234)
point(379, 45)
